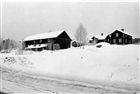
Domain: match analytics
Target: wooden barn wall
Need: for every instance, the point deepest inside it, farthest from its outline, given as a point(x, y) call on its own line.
point(63, 43)
point(33, 42)
point(28, 43)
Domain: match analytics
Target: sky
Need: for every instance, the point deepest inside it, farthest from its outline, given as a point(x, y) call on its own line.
point(22, 19)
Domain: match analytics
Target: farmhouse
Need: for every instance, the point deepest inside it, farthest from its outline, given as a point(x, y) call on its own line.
point(119, 37)
point(48, 41)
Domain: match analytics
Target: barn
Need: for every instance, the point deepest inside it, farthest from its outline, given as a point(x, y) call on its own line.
point(119, 37)
point(48, 41)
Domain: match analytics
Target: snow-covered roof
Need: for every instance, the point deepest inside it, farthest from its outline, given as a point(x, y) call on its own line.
point(101, 36)
point(123, 32)
point(90, 38)
point(44, 35)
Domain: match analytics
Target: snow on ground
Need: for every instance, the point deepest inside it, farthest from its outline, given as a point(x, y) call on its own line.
point(104, 65)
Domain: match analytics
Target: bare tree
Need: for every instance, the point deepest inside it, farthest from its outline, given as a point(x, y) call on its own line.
point(9, 44)
point(81, 35)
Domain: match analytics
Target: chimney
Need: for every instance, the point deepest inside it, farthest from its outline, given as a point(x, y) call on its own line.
point(122, 29)
point(102, 34)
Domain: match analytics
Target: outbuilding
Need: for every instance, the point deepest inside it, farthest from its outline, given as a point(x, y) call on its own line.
point(97, 38)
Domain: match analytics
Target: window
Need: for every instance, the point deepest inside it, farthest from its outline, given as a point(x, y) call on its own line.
point(125, 40)
point(90, 41)
point(34, 41)
point(114, 40)
point(40, 41)
point(120, 40)
point(117, 34)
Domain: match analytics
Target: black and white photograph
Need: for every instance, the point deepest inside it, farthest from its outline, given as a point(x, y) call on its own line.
point(69, 47)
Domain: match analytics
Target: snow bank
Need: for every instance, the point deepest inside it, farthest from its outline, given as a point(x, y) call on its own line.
point(107, 63)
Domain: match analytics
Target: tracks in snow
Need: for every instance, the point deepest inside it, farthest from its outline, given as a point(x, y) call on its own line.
point(31, 84)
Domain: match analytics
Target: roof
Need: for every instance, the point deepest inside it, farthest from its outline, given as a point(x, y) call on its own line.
point(123, 32)
point(101, 36)
point(98, 37)
point(44, 35)
point(90, 38)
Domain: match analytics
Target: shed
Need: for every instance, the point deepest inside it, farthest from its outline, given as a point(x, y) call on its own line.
point(98, 38)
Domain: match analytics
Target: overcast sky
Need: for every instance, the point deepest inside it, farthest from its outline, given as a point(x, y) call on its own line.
point(22, 19)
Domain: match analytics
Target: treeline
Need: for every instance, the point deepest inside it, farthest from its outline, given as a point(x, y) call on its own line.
point(7, 45)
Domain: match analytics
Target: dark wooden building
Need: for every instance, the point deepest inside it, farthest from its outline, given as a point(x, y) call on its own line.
point(48, 41)
point(119, 37)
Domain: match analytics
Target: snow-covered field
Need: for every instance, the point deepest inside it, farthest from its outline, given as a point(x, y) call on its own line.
point(108, 66)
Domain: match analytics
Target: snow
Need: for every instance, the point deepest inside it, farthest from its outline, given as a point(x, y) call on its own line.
point(44, 35)
point(36, 46)
point(99, 37)
point(124, 32)
point(31, 46)
point(107, 64)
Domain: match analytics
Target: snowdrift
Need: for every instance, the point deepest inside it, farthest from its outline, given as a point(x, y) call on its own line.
point(109, 63)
